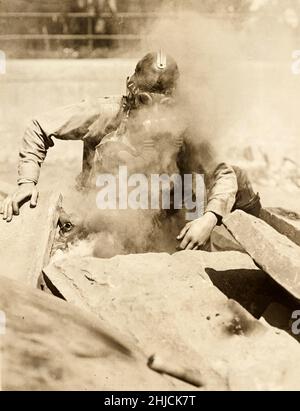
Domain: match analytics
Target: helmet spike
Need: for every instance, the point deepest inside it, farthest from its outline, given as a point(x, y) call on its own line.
point(155, 72)
point(161, 60)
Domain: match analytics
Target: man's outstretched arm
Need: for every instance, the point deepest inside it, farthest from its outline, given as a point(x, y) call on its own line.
point(221, 189)
point(68, 123)
point(33, 151)
point(221, 198)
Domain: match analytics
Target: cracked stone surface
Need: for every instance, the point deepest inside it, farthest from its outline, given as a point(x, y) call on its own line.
point(273, 252)
point(27, 240)
point(49, 344)
point(169, 306)
point(284, 221)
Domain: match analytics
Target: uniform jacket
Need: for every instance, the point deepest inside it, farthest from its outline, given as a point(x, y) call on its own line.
point(89, 121)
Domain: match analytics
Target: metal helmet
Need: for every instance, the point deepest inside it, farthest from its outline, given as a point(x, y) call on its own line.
point(155, 73)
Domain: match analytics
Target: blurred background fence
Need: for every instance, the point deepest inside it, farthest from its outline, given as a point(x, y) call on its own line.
point(92, 28)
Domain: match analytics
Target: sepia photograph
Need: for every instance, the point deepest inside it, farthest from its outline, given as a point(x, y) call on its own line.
point(150, 198)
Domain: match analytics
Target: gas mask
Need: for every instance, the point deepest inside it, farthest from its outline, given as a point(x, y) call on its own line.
point(142, 99)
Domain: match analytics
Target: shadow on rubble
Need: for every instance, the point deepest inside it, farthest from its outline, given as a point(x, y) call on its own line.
point(258, 294)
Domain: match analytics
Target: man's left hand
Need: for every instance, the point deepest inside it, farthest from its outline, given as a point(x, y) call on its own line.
point(197, 232)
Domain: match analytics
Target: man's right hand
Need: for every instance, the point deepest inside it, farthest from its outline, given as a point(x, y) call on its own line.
point(25, 192)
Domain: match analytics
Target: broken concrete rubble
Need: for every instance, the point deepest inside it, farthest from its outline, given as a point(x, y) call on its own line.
point(51, 345)
point(170, 307)
point(274, 253)
point(161, 306)
point(237, 276)
point(27, 240)
point(284, 221)
point(222, 240)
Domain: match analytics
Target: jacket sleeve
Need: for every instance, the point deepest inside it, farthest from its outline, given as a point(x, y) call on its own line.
point(219, 177)
point(67, 123)
point(222, 191)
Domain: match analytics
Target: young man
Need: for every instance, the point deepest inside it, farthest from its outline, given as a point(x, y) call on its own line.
point(132, 128)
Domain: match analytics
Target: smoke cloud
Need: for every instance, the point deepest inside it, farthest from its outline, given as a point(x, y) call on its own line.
point(236, 91)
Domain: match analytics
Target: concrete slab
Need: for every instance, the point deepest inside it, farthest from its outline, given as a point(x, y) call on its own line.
point(284, 221)
point(25, 242)
point(51, 345)
point(169, 306)
point(273, 252)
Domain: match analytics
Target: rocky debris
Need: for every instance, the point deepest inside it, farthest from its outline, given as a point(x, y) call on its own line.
point(251, 159)
point(265, 168)
point(284, 221)
point(281, 316)
point(169, 306)
point(237, 276)
point(52, 345)
point(290, 171)
point(273, 253)
point(27, 240)
point(222, 240)
point(170, 367)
